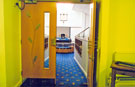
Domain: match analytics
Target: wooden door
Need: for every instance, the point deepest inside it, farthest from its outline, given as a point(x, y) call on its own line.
point(91, 45)
point(33, 40)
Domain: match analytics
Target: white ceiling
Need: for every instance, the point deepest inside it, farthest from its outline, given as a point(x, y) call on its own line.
point(85, 8)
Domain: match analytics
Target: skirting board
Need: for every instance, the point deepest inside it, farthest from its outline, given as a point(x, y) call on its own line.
point(85, 73)
point(19, 83)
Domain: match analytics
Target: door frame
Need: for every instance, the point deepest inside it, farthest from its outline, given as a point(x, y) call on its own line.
point(71, 1)
point(95, 36)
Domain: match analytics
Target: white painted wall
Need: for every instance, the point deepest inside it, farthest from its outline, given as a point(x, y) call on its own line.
point(74, 32)
point(85, 9)
point(46, 23)
point(83, 60)
point(63, 30)
point(78, 17)
point(74, 17)
point(82, 8)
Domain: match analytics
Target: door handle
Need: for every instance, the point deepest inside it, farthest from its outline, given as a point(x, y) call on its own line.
point(90, 57)
point(53, 42)
point(89, 45)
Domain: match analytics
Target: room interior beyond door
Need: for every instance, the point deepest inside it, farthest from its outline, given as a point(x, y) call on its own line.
point(33, 40)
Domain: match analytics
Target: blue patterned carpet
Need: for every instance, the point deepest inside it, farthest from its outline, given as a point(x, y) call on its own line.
point(68, 73)
point(46, 64)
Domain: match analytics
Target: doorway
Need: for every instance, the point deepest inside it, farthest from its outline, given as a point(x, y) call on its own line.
point(73, 26)
point(36, 41)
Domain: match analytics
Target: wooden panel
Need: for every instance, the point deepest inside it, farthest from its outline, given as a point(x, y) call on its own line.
point(65, 50)
point(78, 46)
point(33, 40)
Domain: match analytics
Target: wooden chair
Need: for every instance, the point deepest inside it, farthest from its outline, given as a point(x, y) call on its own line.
point(122, 68)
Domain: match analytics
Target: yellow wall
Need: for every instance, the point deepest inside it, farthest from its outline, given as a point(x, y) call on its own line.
point(10, 37)
point(116, 25)
point(117, 33)
point(2, 48)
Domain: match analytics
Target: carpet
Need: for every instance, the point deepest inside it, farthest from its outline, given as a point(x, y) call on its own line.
point(68, 73)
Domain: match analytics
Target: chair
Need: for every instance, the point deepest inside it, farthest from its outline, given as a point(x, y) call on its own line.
point(121, 68)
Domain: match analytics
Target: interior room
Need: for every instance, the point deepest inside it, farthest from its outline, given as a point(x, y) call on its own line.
point(26, 61)
point(73, 29)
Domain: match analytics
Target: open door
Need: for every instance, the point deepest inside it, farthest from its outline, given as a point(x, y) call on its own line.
point(91, 45)
point(33, 40)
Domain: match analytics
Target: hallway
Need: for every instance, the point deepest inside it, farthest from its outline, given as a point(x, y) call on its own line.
point(68, 73)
